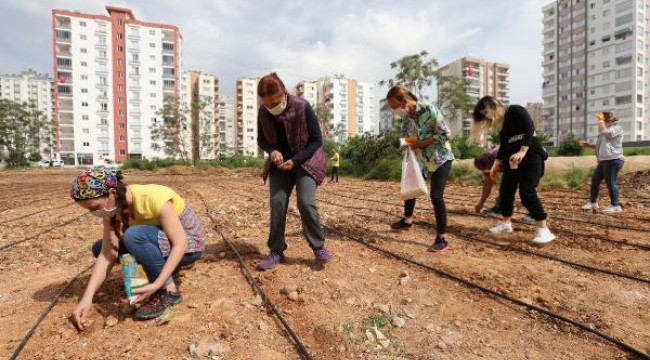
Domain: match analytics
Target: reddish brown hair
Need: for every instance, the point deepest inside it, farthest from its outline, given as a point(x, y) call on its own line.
point(399, 93)
point(270, 85)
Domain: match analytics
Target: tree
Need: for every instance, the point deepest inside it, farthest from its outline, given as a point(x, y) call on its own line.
point(323, 114)
point(414, 72)
point(453, 100)
point(22, 129)
point(205, 132)
point(170, 135)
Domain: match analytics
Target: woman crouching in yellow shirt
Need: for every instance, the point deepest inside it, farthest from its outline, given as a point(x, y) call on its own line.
point(150, 222)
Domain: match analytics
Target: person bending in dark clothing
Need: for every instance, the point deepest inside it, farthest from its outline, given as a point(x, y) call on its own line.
point(521, 156)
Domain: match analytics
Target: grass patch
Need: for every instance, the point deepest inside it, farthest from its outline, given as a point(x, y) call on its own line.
point(378, 321)
point(385, 169)
point(466, 174)
point(574, 178)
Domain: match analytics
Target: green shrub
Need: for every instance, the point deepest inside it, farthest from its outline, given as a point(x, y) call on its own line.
point(235, 162)
point(385, 169)
point(575, 178)
point(465, 173)
point(570, 146)
point(464, 148)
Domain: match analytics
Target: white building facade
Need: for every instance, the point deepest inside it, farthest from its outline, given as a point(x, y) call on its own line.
point(352, 106)
point(227, 126)
point(201, 91)
point(595, 58)
point(246, 106)
point(112, 76)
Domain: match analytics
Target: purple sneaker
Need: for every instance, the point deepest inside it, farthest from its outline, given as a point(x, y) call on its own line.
point(271, 260)
point(322, 255)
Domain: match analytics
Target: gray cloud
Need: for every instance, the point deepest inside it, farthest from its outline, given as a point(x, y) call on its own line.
point(309, 39)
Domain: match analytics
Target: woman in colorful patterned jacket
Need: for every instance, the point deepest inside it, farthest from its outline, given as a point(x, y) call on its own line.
point(150, 222)
point(429, 133)
point(289, 131)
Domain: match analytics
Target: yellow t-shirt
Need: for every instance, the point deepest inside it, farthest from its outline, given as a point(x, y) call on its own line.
point(148, 201)
point(335, 160)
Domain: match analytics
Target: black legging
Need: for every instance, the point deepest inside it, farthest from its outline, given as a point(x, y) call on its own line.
point(526, 177)
point(438, 182)
point(335, 171)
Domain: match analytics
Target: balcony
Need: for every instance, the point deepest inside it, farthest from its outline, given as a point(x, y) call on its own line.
point(102, 86)
point(63, 36)
point(102, 113)
point(102, 97)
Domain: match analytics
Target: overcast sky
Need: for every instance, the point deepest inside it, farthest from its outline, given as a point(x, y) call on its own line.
point(304, 40)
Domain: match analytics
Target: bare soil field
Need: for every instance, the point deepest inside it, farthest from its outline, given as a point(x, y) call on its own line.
point(383, 297)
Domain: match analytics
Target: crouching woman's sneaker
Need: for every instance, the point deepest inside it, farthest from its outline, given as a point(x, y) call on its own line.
point(543, 236)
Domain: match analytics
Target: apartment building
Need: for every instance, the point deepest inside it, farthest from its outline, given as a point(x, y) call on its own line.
point(481, 78)
point(386, 117)
point(595, 58)
point(246, 106)
point(199, 94)
point(112, 75)
point(352, 106)
point(308, 90)
point(227, 126)
point(33, 88)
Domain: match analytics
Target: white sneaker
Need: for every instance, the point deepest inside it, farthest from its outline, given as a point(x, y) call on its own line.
point(590, 206)
point(526, 219)
point(501, 227)
point(611, 209)
point(543, 236)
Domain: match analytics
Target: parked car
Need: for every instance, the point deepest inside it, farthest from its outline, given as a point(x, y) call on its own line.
point(46, 163)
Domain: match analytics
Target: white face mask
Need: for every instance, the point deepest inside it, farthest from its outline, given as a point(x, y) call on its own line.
point(104, 212)
point(401, 112)
point(278, 109)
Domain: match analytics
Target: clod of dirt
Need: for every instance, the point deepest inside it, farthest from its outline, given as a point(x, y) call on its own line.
point(404, 280)
point(262, 326)
point(110, 321)
point(257, 301)
point(398, 322)
point(383, 308)
point(293, 296)
point(288, 289)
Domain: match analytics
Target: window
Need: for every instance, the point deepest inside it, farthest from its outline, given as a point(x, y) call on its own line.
point(119, 21)
point(122, 152)
point(103, 121)
point(119, 62)
point(152, 70)
point(84, 91)
point(152, 45)
point(121, 125)
point(605, 64)
point(152, 82)
point(85, 117)
point(103, 106)
point(606, 38)
point(639, 113)
point(86, 144)
point(84, 77)
point(624, 73)
point(120, 100)
point(120, 48)
point(120, 35)
point(85, 104)
point(606, 102)
point(82, 23)
point(623, 100)
point(121, 112)
point(83, 37)
point(152, 32)
point(152, 57)
point(85, 131)
point(606, 12)
point(120, 87)
point(84, 64)
point(152, 95)
point(84, 50)
point(639, 99)
point(122, 138)
point(622, 20)
point(624, 59)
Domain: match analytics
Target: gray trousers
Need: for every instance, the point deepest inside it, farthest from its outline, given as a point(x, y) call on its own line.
point(281, 183)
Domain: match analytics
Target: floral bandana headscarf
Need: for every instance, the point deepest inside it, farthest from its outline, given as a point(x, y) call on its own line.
point(94, 183)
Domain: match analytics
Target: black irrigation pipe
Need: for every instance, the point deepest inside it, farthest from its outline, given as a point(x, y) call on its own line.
point(45, 312)
point(563, 218)
point(459, 212)
point(251, 280)
point(469, 238)
point(34, 213)
point(500, 295)
point(14, 243)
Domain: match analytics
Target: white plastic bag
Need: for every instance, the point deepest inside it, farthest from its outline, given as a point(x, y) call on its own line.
point(413, 184)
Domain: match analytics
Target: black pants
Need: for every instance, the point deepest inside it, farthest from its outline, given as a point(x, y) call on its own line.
point(526, 177)
point(438, 182)
point(335, 171)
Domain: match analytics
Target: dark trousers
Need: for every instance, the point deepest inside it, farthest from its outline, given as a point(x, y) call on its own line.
point(280, 185)
point(608, 170)
point(335, 172)
point(438, 182)
point(526, 177)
